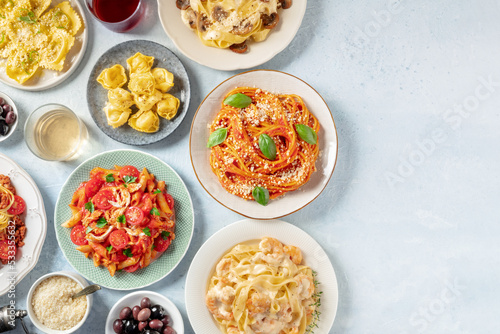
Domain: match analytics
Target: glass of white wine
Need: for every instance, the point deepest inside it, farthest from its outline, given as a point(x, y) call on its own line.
point(54, 132)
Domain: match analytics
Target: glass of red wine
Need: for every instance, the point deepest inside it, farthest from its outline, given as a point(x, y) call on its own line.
point(117, 15)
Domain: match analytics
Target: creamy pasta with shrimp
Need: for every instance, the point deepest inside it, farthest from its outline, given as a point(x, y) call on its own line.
point(262, 288)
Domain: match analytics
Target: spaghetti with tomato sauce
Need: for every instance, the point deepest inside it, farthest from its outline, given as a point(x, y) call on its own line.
point(122, 218)
point(239, 161)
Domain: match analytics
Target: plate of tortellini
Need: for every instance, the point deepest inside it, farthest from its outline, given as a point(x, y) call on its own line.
point(138, 92)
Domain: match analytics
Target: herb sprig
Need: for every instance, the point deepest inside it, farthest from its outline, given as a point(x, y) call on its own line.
point(317, 303)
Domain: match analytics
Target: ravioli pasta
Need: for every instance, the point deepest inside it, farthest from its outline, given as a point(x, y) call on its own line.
point(32, 37)
point(147, 89)
point(229, 23)
point(262, 288)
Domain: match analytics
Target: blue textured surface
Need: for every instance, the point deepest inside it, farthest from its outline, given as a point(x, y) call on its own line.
point(410, 217)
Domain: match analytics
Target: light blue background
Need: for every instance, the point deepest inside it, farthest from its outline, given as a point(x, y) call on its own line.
point(410, 219)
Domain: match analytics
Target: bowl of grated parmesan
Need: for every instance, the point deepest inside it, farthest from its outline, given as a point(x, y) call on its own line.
point(50, 306)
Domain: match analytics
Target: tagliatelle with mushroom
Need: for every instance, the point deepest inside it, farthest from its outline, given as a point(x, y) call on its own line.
point(230, 23)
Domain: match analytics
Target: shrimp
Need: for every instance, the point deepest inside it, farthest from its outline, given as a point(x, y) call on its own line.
point(258, 303)
point(271, 246)
point(217, 308)
point(223, 267)
point(285, 313)
point(305, 285)
point(294, 253)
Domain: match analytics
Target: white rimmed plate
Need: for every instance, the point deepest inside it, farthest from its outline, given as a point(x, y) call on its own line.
point(45, 79)
point(224, 59)
point(166, 262)
point(134, 298)
point(35, 219)
point(277, 82)
point(214, 248)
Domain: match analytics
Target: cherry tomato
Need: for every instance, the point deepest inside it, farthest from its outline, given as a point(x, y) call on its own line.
point(18, 206)
point(134, 215)
point(118, 257)
point(146, 203)
point(5, 248)
point(170, 201)
point(129, 171)
point(93, 186)
point(161, 244)
point(109, 184)
point(131, 269)
point(102, 198)
point(118, 239)
point(78, 235)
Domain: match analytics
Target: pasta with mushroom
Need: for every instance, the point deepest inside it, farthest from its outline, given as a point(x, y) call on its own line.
point(228, 23)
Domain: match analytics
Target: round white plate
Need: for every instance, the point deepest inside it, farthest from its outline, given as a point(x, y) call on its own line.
point(45, 79)
point(134, 298)
point(224, 59)
point(35, 219)
point(272, 81)
point(214, 248)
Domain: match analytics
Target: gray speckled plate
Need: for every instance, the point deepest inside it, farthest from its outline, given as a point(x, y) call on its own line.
point(97, 96)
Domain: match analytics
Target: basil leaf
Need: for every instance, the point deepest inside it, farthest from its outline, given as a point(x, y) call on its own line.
point(238, 100)
point(128, 252)
point(267, 146)
point(101, 222)
point(153, 247)
point(154, 211)
point(110, 178)
point(307, 134)
point(89, 206)
point(109, 248)
point(157, 191)
point(261, 195)
point(121, 219)
point(129, 179)
point(217, 137)
point(147, 231)
point(88, 230)
point(165, 235)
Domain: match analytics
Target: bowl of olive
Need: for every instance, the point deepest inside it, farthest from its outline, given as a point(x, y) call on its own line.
point(144, 312)
point(8, 116)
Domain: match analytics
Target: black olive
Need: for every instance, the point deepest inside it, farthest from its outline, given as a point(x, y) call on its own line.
point(157, 312)
point(150, 331)
point(4, 128)
point(131, 327)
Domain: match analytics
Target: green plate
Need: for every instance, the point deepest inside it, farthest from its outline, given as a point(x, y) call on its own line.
point(159, 268)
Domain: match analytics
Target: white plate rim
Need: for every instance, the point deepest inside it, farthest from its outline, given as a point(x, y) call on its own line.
point(222, 63)
point(65, 75)
point(188, 243)
point(145, 293)
point(270, 215)
point(250, 229)
point(43, 217)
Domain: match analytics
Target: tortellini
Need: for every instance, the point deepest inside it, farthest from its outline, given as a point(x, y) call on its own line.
point(145, 121)
point(164, 80)
point(146, 90)
point(32, 36)
point(167, 107)
point(113, 77)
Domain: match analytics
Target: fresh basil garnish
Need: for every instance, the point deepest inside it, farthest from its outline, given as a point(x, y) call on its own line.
point(165, 235)
point(101, 222)
point(89, 206)
point(147, 231)
point(307, 134)
point(154, 211)
point(110, 178)
point(217, 137)
point(129, 179)
point(88, 230)
point(261, 195)
point(238, 100)
point(157, 191)
point(267, 146)
point(109, 248)
point(128, 252)
point(121, 219)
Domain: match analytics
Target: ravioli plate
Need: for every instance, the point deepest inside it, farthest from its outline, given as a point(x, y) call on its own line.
point(97, 96)
point(45, 79)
